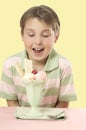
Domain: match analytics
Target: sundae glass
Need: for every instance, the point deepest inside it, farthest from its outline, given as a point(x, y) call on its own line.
point(34, 83)
point(34, 94)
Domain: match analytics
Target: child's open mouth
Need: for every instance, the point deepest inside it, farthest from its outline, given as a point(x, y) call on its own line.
point(38, 50)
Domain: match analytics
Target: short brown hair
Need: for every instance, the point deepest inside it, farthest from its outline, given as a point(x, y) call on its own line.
point(41, 12)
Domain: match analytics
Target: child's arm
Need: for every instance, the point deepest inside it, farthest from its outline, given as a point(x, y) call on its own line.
point(62, 104)
point(12, 103)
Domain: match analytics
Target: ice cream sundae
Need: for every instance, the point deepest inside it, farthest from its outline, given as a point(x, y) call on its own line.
point(34, 82)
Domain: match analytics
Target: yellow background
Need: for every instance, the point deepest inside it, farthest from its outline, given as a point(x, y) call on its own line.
point(71, 43)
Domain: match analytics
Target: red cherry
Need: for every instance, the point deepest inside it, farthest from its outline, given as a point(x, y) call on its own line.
point(34, 71)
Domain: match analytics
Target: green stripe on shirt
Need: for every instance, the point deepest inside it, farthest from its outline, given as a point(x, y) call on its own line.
point(50, 91)
point(8, 96)
point(7, 79)
point(67, 80)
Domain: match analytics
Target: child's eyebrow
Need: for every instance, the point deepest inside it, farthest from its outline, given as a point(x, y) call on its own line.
point(29, 29)
point(46, 30)
point(42, 31)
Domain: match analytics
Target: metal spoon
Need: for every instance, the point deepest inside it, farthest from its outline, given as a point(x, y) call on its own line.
point(52, 116)
point(56, 116)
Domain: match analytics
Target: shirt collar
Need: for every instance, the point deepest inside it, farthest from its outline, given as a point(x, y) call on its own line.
point(23, 56)
point(52, 61)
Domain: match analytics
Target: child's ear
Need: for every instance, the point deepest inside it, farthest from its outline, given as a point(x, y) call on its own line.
point(56, 37)
point(21, 35)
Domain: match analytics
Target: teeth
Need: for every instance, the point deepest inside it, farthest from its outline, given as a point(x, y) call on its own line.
point(37, 49)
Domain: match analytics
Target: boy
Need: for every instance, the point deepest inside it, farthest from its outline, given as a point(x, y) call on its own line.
point(40, 27)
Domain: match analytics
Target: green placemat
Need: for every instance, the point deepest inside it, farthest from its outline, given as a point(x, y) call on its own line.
point(46, 114)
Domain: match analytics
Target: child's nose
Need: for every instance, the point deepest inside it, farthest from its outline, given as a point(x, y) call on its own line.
point(38, 40)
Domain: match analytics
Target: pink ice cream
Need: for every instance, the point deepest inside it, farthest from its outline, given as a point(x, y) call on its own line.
point(41, 75)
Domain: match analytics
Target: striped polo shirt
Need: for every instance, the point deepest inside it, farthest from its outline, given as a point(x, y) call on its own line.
point(59, 84)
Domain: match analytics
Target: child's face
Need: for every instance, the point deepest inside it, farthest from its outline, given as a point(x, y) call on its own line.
point(38, 39)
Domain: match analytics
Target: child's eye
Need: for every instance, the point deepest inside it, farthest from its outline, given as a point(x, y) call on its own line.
point(45, 35)
point(31, 35)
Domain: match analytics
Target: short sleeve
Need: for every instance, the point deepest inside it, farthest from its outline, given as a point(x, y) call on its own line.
point(67, 91)
point(7, 88)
